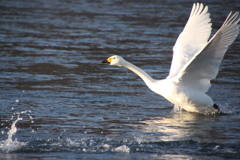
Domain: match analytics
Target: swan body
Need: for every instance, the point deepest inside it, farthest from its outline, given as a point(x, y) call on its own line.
point(195, 62)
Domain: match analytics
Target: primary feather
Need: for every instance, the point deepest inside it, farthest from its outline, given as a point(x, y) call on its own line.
point(204, 66)
point(192, 39)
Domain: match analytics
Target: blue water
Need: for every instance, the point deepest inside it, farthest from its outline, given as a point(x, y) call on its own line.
point(59, 103)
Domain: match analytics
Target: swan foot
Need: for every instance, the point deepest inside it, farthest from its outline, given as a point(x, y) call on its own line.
point(218, 109)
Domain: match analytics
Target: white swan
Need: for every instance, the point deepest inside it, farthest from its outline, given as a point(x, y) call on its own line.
point(195, 62)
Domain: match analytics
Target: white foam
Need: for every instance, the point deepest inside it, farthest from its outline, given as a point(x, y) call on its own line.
point(122, 149)
point(10, 145)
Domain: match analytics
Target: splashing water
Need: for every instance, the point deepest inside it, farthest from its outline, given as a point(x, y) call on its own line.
point(9, 144)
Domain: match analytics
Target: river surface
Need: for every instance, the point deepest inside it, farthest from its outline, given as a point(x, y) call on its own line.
point(58, 102)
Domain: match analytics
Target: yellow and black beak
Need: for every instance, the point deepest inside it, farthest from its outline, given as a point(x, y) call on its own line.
point(105, 62)
point(108, 61)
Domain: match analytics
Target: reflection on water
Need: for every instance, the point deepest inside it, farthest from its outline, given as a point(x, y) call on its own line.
point(183, 126)
point(49, 65)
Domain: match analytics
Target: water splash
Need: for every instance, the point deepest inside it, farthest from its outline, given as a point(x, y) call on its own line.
point(9, 144)
point(122, 149)
point(228, 109)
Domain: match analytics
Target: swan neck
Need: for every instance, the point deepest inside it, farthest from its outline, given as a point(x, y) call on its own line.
point(141, 73)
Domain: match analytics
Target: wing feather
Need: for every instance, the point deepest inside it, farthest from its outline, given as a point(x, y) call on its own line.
point(204, 66)
point(192, 39)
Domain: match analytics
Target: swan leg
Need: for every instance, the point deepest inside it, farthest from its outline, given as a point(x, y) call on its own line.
point(177, 108)
point(217, 108)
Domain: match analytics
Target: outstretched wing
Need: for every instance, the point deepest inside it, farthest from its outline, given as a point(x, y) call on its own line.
point(204, 66)
point(192, 39)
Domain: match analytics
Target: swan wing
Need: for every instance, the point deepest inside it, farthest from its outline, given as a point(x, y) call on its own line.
point(204, 66)
point(192, 39)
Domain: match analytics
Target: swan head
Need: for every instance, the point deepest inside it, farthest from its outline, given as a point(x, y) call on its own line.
point(114, 61)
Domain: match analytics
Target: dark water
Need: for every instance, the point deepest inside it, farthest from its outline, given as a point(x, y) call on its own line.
point(70, 107)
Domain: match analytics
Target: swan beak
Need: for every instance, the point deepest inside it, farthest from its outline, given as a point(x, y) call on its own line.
point(105, 62)
point(108, 61)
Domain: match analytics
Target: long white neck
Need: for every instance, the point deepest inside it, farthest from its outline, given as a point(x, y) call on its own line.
point(145, 77)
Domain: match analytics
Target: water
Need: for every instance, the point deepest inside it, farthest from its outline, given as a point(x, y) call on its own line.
point(57, 102)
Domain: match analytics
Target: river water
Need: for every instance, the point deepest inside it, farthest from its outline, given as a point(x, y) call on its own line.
point(57, 102)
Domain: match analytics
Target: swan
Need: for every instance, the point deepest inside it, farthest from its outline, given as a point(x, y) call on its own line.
point(195, 62)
